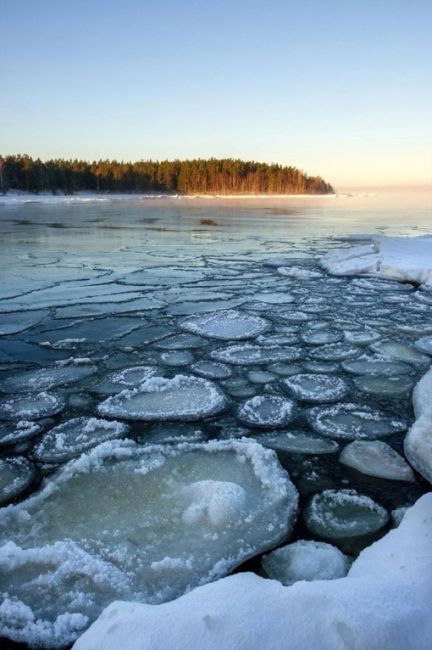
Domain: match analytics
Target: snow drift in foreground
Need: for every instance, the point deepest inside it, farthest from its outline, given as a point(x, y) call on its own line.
point(418, 441)
point(374, 607)
point(395, 258)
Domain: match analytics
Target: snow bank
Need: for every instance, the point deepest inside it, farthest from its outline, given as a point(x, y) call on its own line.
point(418, 441)
point(406, 259)
point(382, 603)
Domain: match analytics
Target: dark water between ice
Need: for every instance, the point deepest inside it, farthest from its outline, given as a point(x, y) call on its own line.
point(108, 285)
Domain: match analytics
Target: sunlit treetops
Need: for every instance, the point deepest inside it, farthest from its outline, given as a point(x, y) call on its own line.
point(213, 176)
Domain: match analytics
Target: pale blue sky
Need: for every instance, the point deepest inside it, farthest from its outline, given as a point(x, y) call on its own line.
point(338, 88)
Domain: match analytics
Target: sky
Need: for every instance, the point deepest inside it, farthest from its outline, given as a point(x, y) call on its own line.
point(341, 89)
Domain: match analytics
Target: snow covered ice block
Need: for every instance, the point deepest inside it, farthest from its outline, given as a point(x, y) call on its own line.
point(127, 521)
point(181, 398)
point(305, 560)
point(418, 441)
point(383, 602)
point(226, 325)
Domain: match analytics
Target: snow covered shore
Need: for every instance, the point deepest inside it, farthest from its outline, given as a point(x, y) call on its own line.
point(382, 603)
point(406, 259)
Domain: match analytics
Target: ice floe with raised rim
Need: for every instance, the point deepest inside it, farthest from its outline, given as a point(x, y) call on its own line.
point(341, 514)
point(177, 358)
point(270, 411)
point(226, 325)
point(377, 367)
point(320, 336)
point(315, 387)
point(130, 377)
point(72, 438)
point(181, 342)
point(16, 432)
point(298, 442)
point(400, 352)
point(43, 379)
point(181, 398)
point(335, 352)
point(348, 421)
point(16, 474)
point(305, 560)
point(144, 523)
point(384, 386)
point(247, 354)
point(31, 406)
point(211, 369)
point(376, 458)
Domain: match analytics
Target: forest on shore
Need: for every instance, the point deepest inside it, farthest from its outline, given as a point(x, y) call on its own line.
point(213, 176)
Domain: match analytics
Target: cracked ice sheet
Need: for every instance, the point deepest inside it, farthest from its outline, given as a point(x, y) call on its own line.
point(406, 259)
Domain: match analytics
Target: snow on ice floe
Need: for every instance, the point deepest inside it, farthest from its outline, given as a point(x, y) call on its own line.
point(31, 406)
point(341, 514)
point(39, 380)
point(75, 436)
point(135, 522)
point(266, 411)
point(305, 560)
point(406, 259)
point(320, 336)
point(373, 607)
point(418, 441)
point(384, 386)
point(361, 337)
point(16, 474)
point(315, 387)
point(226, 325)
point(211, 370)
point(335, 352)
point(298, 442)
point(12, 433)
point(353, 421)
point(400, 352)
point(181, 398)
point(376, 458)
point(375, 366)
point(244, 355)
point(299, 272)
point(131, 377)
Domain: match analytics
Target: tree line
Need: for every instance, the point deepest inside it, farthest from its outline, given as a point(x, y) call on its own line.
point(213, 176)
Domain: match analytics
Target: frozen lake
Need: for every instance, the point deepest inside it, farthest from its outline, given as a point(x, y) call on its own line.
point(153, 326)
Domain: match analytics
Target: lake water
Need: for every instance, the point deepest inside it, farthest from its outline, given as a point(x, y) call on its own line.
point(91, 289)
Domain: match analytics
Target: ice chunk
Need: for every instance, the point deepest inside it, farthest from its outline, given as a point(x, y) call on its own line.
point(181, 398)
point(299, 272)
point(400, 352)
point(274, 297)
point(424, 344)
point(16, 474)
point(75, 436)
point(266, 411)
point(298, 442)
point(341, 514)
point(211, 369)
point(312, 387)
point(260, 376)
point(361, 337)
point(321, 336)
point(226, 325)
point(353, 421)
point(32, 406)
point(14, 432)
point(372, 366)
point(376, 458)
point(305, 560)
point(31, 381)
point(163, 275)
point(137, 522)
point(320, 366)
point(14, 323)
point(177, 358)
point(133, 376)
point(384, 386)
point(245, 355)
point(181, 342)
point(418, 441)
point(335, 352)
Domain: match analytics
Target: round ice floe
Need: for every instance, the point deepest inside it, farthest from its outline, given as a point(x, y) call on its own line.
point(39, 380)
point(293, 316)
point(319, 337)
point(181, 342)
point(384, 386)
point(133, 376)
point(400, 352)
point(312, 387)
point(180, 398)
point(352, 421)
point(16, 474)
point(379, 367)
point(226, 325)
point(335, 352)
point(15, 432)
point(376, 458)
point(361, 337)
point(177, 358)
point(424, 344)
point(320, 366)
point(298, 442)
point(211, 369)
point(305, 560)
point(73, 437)
point(273, 297)
point(339, 514)
point(33, 406)
point(261, 376)
point(299, 272)
point(141, 523)
point(266, 411)
point(244, 355)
